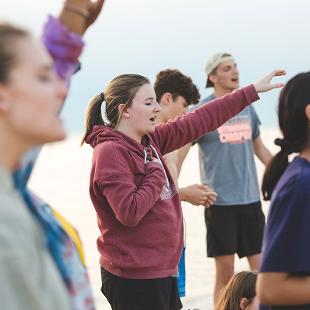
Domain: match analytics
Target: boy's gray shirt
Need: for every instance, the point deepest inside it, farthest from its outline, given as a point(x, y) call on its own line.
point(226, 158)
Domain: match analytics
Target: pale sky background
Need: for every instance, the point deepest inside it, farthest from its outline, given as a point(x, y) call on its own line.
point(146, 36)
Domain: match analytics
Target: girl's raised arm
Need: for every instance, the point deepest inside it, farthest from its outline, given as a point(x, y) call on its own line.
point(173, 135)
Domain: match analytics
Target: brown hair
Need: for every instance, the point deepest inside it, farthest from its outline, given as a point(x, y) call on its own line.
point(176, 83)
point(121, 90)
point(8, 34)
point(241, 285)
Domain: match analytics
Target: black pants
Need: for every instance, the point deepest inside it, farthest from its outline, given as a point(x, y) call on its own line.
point(132, 294)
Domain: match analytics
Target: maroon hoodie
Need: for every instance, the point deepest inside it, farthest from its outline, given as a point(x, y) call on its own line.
point(138, 207)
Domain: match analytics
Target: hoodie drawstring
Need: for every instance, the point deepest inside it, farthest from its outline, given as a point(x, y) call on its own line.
point(158, 158)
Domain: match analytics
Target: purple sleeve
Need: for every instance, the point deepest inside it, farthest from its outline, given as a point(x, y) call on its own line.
point(64, 46)
point(173, 135)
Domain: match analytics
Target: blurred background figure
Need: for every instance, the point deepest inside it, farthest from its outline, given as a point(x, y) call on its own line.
point(41, 266)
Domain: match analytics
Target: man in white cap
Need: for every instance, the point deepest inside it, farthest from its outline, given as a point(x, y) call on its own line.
point(235, 223)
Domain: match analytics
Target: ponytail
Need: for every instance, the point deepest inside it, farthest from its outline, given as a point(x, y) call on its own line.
point(277, 166)
point(93, 115)
point(272, 174)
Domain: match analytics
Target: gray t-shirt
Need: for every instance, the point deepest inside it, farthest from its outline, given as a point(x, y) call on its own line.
point(29, 279)
point(226, 158)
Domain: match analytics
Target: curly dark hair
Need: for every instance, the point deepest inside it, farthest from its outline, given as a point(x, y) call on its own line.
point(176, 83)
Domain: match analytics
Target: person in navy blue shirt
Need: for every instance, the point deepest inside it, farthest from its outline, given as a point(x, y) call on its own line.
point(284, 278)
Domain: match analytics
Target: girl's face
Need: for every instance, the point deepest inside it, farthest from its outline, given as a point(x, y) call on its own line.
point(31, 100)
point(143, 111)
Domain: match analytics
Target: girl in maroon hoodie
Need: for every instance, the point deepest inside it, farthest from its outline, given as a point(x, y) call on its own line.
point(137, 204)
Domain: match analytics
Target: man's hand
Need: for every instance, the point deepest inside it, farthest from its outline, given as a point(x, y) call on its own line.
point(198, 194)
point(210, 200)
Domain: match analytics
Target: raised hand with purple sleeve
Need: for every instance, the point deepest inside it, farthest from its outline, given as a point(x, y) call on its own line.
point(63, 39)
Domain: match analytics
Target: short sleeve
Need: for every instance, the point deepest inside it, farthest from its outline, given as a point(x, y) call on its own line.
point(286, 245)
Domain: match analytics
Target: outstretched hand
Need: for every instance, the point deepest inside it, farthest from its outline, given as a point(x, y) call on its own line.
point(264, 84)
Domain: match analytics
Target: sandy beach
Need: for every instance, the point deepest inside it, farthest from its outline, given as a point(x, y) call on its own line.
point(61, 178)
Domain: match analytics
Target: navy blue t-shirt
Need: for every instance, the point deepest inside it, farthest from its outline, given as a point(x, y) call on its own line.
point(286, 246)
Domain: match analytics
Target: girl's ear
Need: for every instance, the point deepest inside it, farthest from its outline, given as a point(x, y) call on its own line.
point(243, 303)
point(123, 111)
point(307, 112)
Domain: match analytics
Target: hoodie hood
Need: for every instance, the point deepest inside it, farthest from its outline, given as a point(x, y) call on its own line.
point(101, 134)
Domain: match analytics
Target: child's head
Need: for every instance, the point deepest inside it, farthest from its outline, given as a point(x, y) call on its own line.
point(30, 92)
point(239, 293)
point(129, 99)
point(175, 92)
point(294, 119)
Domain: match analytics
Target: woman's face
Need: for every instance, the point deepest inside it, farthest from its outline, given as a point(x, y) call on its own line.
point(143, 111)
point(31, 100)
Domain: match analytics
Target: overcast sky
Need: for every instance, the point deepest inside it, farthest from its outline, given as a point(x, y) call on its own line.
point(146, 36)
